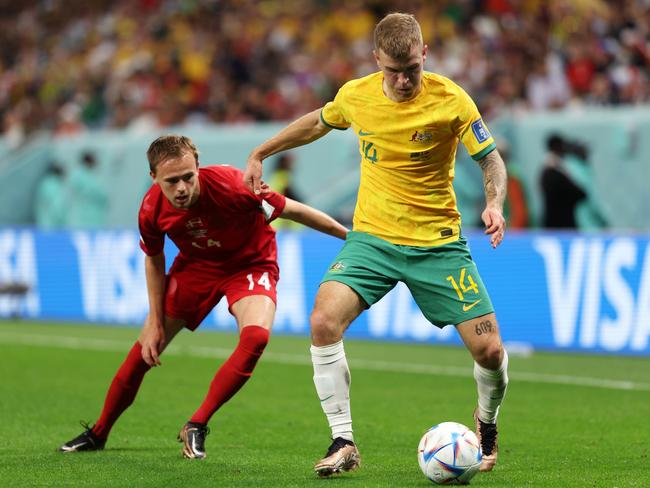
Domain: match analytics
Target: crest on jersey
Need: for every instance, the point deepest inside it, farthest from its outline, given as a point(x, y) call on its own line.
point(338, 266)
point(192, 223)
point(480, 131)
point(421, 137)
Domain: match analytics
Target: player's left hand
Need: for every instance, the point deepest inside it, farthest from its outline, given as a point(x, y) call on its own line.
point(495, 225)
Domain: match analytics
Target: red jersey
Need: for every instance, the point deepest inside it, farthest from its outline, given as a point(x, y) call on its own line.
point(228, 226)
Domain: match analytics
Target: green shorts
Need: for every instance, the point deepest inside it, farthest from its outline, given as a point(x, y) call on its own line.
point(443, 280)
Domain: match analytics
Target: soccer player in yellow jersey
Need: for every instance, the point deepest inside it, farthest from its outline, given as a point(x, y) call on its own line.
point(406, 223)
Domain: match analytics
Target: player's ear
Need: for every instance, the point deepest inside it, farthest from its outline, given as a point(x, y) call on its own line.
point(153, 175)
point(374, 53)
point(424, 52)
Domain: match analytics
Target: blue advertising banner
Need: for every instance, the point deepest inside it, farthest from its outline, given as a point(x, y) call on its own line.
point(551, 291)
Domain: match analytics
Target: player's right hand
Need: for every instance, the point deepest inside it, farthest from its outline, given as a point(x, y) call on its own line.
point(152, 340)
point(253, 174)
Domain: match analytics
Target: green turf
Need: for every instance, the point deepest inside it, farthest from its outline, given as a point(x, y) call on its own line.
point(551, 434)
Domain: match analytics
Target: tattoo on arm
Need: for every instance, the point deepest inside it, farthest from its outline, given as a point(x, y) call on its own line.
point(494, 179)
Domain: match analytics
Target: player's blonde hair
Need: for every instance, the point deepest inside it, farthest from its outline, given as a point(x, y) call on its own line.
point(169, 146)
point(396, 34)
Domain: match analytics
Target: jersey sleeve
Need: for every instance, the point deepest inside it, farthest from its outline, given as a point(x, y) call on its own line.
point(333, 113)
point(152, 240)
point(272, 204)
point(470, 128)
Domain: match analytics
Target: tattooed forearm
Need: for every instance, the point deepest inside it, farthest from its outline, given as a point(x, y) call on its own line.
point(494, 179)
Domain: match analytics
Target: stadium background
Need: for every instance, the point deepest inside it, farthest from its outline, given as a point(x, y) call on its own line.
point(104, 78)
point(114, 75)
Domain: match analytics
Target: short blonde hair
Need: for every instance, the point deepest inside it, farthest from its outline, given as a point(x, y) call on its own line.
point(396, 34)
point(169, 146)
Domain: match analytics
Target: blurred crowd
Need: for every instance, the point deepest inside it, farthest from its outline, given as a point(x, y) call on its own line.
point(73, 65)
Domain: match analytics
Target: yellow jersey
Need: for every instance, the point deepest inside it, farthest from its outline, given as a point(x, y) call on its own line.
point(408, 152)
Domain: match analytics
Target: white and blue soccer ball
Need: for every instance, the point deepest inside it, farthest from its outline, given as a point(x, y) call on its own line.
point(449, 453)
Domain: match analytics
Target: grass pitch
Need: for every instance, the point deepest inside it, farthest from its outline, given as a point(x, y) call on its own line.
point(568, 420)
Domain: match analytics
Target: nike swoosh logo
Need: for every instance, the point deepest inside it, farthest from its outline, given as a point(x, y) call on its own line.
point(471, 305)
point(194, 448)
point(326, 398)
point(362, 133)
point(75, 447)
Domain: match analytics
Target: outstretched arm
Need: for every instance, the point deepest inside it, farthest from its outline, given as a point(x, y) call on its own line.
point(309, 216)
point(153, 335)
point(306, 129)
point(494, 182)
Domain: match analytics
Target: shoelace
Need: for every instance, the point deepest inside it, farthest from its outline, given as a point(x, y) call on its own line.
point(88, 434)
point(203, 430)
point(488, 437)
point(336, 445)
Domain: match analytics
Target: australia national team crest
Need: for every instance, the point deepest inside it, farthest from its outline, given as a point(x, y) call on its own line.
point(421, 136)
point(480, 131)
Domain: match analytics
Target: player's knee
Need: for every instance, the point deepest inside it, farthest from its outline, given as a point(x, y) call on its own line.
point(254, 338)
point(324, 328)
point(489, 355)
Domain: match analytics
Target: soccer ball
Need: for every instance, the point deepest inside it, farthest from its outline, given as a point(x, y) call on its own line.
point(449, 453)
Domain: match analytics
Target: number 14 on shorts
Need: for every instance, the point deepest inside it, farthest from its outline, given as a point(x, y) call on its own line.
point(263, 281)
point(464, 284)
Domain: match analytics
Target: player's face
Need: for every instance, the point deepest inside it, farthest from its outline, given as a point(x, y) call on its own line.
point(178, 179)
point(402, 77)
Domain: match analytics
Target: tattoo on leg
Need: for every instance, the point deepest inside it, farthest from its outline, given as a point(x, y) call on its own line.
point(483, 327)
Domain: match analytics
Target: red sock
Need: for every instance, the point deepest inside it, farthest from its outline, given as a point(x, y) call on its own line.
point(122, 391)
point(234, 372)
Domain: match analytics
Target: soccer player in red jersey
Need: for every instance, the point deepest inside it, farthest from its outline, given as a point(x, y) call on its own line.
point(226, 248)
